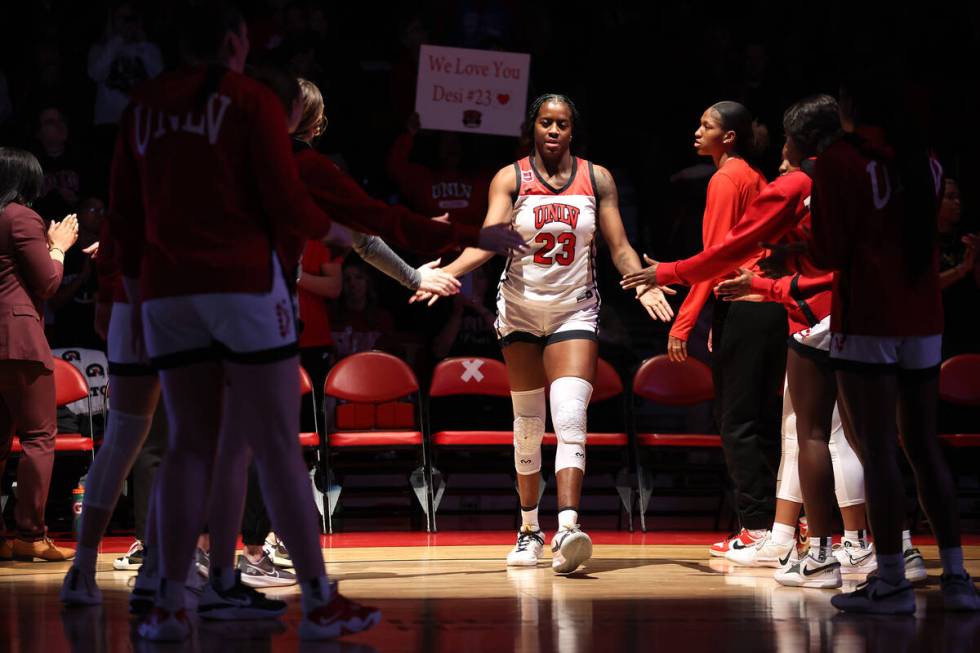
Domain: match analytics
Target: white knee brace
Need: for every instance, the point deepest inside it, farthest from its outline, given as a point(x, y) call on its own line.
point(529, 414)
point(569, 403)
point(124, 437)
point(788, 476)
point(848, 471)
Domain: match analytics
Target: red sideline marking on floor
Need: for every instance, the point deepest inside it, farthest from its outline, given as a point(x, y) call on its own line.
point(120, 545)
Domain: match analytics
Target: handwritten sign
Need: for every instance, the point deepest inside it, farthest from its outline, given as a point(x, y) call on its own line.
point(481, 91)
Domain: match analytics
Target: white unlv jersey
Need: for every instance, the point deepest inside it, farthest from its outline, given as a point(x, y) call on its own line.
point(558, 225)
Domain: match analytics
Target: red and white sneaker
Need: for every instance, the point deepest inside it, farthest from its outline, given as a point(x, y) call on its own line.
point(165, 626)
point(340, 616)
point(741, 540)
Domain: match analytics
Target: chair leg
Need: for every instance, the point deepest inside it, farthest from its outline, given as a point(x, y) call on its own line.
point(424, 493)
point(624, 487)
point(333, 490)
point(645, 489)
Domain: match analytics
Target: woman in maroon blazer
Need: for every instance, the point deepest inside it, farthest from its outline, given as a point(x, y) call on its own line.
point(31, 266)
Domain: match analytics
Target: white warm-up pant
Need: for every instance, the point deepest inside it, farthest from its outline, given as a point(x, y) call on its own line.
point(848, 471)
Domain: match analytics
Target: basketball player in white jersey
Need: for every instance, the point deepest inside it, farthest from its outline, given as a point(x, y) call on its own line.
point(548, 312)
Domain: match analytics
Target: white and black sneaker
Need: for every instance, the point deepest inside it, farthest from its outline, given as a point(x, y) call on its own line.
point(527, 551)
point(764, 553)
point(875, 596)
point(132, 560)
point(237, 602)
point(263, 573)
point(915, 565)
point(855, 557)
point(203, 560)
point(570, 547)
point(277, 552)
point(811, 572)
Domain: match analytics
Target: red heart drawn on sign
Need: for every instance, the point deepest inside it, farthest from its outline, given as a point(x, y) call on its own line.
point(503, 98)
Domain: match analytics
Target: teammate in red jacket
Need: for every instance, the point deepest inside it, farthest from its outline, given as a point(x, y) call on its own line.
point(874, 222)
point(203, 182)
point(749, 354)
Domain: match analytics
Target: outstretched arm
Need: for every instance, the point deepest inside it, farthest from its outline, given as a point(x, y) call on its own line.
point(499, 216)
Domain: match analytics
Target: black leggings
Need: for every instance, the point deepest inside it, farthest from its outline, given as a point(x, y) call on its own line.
point(748, 367)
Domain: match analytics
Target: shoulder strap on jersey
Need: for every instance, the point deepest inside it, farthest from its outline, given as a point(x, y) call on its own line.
point(595, 186)
point(517, 181)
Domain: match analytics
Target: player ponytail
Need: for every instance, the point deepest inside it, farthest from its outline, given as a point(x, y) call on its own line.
point(314, 121)
point(813, 123)
point(205, 27)
point(751, 138)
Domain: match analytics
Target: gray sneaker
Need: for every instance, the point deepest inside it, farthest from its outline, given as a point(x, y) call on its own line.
point(263, 573)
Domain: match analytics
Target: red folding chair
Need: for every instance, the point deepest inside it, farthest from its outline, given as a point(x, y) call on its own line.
point(667, 383)
point(488, 427)
point(377, 411)
point(959, 386)
point(69, 386)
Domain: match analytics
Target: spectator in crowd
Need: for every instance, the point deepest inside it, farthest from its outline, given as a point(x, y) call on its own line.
point(446, 186)
point(957, 252)
point(957, 275)
point(469, 329)
point(358, 321)
point(61, 163)
point(123, 59)
point(31, 264)
point(320, 280)
point(73, 306)
point(118, 63)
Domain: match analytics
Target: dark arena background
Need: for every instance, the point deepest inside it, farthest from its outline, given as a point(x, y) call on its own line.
point(410, 453)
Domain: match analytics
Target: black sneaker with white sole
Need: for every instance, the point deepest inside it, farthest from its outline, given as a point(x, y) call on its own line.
point(237, 602)
point(132, 560)
point(264, 573)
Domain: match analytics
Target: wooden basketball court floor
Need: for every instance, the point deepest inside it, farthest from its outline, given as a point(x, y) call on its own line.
point(452, 593)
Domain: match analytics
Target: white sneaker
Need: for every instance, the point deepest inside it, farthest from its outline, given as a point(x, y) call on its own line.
point(132, 560)
point(875, 596)
point(810, 572)
point(570, 547)
point(915, 566)
point(80, 588)
point(527, 551)
point(765, 553)
point(854, 558)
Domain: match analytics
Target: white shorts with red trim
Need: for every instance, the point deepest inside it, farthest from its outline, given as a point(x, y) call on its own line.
point(239, 327)
point(905, 352)
point(817, 336)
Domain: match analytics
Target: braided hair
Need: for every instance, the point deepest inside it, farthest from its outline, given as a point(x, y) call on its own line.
point(540, 101)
